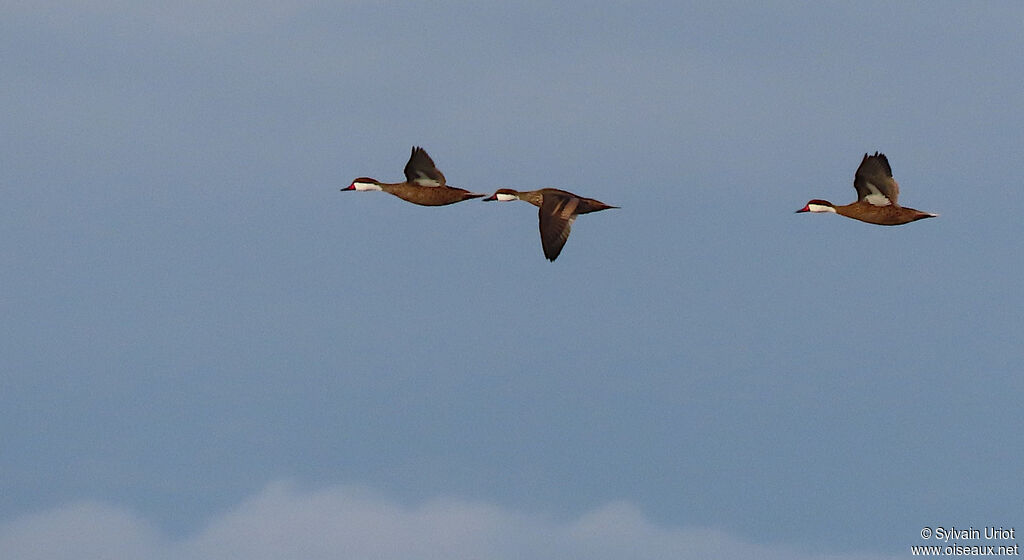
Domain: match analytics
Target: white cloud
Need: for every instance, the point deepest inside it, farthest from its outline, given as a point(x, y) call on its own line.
point(345, 522)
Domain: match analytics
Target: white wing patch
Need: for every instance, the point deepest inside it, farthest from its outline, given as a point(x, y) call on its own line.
point(876, 198)
point(425, 181)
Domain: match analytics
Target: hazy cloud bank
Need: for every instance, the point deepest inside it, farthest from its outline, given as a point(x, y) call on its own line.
point(346, 522)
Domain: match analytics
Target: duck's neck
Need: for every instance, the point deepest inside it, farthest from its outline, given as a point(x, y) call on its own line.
point(533, 197)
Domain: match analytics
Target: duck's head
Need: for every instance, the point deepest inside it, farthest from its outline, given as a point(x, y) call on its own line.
point(363, 184)
point(817, 205)
point(504, 195)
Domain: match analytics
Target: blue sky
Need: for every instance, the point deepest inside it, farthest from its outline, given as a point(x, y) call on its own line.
point(202, 336)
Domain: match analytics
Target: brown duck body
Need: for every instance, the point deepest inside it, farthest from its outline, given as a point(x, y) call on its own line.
point(424, 183)
point(877, 197)
point(582, 205)
point(428, 196)
point(892, 215)
point(558, 210)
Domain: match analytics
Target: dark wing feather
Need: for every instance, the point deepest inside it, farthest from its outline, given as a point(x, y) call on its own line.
point(874, 176)
point(421, 169)
point(557, 214)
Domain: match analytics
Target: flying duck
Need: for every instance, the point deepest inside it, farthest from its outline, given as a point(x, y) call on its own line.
point(877, 194)
point(424, 183)
point(558, 209)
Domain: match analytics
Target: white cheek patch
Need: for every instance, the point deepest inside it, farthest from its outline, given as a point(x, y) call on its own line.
point(505, 197)
point(366, 186)
point(820, 208)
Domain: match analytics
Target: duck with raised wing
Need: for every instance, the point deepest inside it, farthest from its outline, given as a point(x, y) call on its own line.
point(877, 197)
point(558, 210)
point(424, 183)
